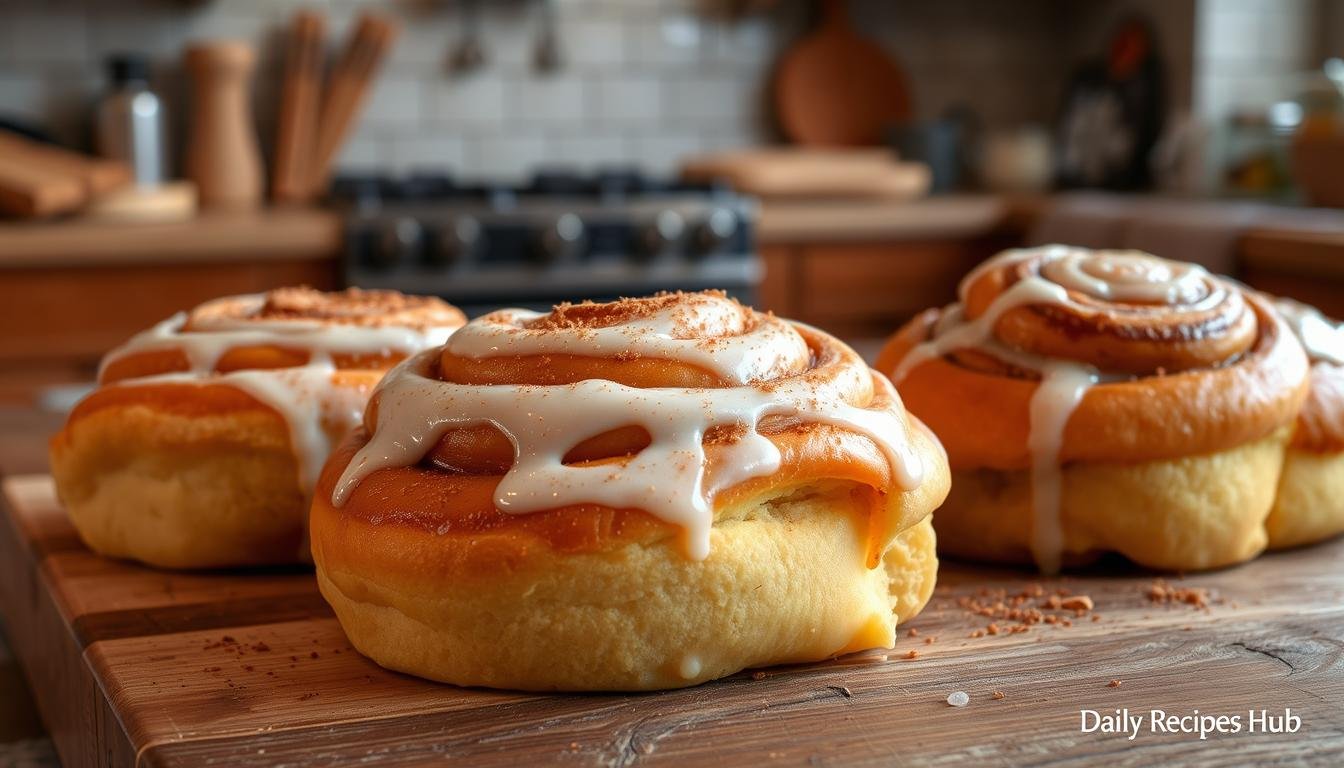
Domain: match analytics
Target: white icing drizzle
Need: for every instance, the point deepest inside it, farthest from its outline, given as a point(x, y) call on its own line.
point(666, 478)
point(1121, 276)
point(303, 395)
point(1323, 339)
point(699, 330)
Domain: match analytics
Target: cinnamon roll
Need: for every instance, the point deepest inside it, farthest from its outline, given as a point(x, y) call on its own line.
point(1310, 503)
point(201, 444)
point(643, 494)
point(1101, 401)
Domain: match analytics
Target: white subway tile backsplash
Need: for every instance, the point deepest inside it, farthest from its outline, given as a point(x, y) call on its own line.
point(57, 34)
point(588, 152)
point(396, 102)
point(508, 157)
point(641, 80)
point(475, 99)
point(722, 99)
point(536, 101)
point(426, 152)
point(622, 98)
point(665, 40)
point(591, 43)
point(663, 153)
point(361, 155)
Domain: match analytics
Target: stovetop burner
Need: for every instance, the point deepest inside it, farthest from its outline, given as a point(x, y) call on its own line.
point(611, 183)
point(560, 236)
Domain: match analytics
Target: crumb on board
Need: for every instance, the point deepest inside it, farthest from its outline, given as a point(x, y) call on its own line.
point(1163, 592)
point(1114, 684)
point(912, 655)
point(958, 699)
point(997, 695)
point(1015, 612)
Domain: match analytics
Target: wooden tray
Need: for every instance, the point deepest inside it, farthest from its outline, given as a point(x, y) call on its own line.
point(135, 666)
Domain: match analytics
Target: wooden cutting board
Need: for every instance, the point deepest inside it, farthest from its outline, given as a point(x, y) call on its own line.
point(135, 666)
point(809, 174)
point(836, 88)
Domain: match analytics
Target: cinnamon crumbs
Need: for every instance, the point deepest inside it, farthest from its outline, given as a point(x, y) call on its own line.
point(1161, 591)
point(1018, 612)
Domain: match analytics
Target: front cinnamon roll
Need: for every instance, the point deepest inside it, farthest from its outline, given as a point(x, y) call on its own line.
point(1310, 502)
point(1102, 401)
point(644, 494)
point(203, 440)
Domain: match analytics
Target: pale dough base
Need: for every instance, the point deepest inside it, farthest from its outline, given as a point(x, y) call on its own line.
point(1185, 514)
point(785, 582)
point(175, 491)
point(1310, 506)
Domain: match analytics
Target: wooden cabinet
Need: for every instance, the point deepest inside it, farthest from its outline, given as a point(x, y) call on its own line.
point(1307, 266)
point(71, 291)
point(867, 289)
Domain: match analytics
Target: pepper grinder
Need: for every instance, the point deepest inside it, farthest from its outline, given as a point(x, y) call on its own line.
point(222, 155)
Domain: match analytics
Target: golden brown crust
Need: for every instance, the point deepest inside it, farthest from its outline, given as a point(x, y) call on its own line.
point(1183, 514)
point(982, 416)
point(821, 557)
point(1320, 423)
point(448, 523)
point(182, 488)
point(471, 461)
point(786, 582)
point(1309, 506)
point(193, 471)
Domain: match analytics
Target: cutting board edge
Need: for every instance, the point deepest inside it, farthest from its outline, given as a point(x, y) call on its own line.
point(70, 700)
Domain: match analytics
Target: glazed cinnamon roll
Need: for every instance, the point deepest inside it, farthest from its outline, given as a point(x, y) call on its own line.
point(1310, 503)
point(203, 440)
point(1095, 401)
point(644, 494)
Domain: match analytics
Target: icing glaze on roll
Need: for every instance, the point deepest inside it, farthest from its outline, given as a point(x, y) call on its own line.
point(765, 370)
point(1320, 424)
point(307, 329)
point(1072, 319)
point(1321, 337)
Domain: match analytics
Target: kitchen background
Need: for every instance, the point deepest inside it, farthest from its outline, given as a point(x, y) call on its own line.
point(651, 81)
point(519, 151)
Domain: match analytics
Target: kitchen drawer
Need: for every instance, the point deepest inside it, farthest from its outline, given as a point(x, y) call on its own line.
point(867, 289)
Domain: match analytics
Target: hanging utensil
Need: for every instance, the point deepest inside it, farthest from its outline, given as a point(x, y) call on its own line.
point(469, 55)
point(547, 56)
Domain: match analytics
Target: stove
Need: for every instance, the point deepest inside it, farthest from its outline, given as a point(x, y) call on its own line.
point(562, 236)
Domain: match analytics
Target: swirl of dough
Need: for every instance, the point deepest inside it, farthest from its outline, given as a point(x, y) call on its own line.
point(664, 408)
point(1061, 354)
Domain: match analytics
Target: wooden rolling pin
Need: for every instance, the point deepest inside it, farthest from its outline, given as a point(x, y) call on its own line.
point(222, 156)
point(39, 179)
point(351, 77)
point(299, 102)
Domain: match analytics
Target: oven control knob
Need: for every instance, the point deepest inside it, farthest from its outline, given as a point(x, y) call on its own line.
point(715, 232)
point(662, 234)
point(564, 239)
point(459, 241)
point(403, 242)
point(363, 245)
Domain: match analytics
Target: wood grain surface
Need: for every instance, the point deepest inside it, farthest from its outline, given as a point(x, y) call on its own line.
point(134, 666)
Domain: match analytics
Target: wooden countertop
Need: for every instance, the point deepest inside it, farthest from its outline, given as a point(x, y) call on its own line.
point(1308, 241)
point(1309, 253)
point(1269, 639)
point(835, 221)
point(293, 234)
